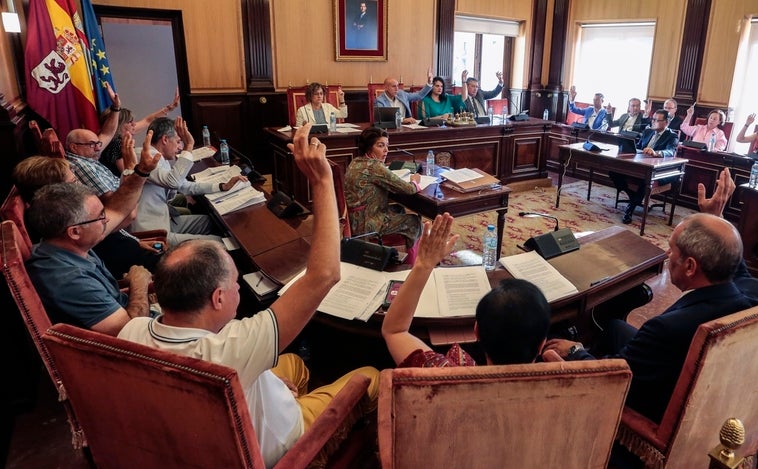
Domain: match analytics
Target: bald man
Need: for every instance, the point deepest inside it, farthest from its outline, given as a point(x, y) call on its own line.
point(393, 96)
point(705, 262)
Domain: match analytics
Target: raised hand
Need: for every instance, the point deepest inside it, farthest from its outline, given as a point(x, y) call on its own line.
point(436, 242)
point(429, 76)
point(128, 154)
point(310, 157)
point(499, 76)
point(113, 95)
point(750, 119)
point(572, 93)
point(148, 162)
point(724, 189)
point(464, 76)
point(183, 132)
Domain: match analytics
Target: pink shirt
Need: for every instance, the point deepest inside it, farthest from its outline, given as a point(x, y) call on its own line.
point(700, 133)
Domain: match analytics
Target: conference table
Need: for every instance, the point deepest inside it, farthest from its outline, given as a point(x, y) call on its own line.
point(636, 165)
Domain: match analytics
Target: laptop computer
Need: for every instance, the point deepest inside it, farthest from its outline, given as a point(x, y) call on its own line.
point(384, 117)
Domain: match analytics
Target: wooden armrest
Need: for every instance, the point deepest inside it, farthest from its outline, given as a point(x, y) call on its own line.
point(327, 424)
point(643, 426)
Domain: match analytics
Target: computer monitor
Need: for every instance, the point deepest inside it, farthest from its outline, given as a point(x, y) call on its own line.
point(384, 117)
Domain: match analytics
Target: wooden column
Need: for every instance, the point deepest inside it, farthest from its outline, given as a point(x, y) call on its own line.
point(445, 38)
point(258, 46)
point(693, 46)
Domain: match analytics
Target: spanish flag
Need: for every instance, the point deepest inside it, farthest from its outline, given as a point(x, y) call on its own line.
point(59, 87)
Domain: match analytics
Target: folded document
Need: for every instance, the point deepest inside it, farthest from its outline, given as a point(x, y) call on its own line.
point(240, 196)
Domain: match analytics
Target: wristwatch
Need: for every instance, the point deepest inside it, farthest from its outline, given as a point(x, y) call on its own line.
point(575, 348)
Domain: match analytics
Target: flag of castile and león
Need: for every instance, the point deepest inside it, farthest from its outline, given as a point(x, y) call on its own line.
point(59, 87)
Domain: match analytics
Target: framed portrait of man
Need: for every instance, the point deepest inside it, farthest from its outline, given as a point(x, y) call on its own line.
point(361, 30)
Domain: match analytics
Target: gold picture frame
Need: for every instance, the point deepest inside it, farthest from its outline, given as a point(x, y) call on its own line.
point(361, 30)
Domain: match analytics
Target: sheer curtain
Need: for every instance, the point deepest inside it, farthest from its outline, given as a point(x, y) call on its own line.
point(613, 59)
point(744, 97)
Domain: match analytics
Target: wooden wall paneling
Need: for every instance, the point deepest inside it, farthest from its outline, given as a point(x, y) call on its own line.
point(693, 47)
point(256, 16)
point(225, 117)
point(445, 38)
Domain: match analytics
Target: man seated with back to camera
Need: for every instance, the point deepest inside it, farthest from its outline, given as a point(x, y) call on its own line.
point(511, 324)
point(119, 250)
point(657, 142)
point(196, 285)
point(705, 262)
point(71, 280)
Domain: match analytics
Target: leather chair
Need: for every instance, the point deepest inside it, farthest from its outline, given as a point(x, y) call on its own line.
point(151, 408)
point(296, 99)
point(36, 320)
point(48, 143)
point(571, 117)
point(535, 415)
point(718, 381)
point(498, 105)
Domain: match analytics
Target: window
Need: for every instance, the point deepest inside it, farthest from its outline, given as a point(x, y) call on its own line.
point(480, 48)
point(613, 59)
point(744, 97)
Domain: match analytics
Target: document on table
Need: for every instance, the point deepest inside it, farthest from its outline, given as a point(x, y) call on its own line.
point(217, 174)
point(532, 267)
point(414, 126)
point(460, 289)
point(461, 175)
point(202, 152)
point(424, 182)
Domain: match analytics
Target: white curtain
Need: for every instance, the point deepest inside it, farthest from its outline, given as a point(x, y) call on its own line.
point(744, 97)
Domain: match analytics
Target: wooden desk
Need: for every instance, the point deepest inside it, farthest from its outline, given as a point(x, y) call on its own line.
point(634, 165)
point(625, 259)
point(436, 200)
point(512, 152)
point(748, 225)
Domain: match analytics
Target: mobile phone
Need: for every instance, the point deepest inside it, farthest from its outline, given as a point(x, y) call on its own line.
point(392, 289)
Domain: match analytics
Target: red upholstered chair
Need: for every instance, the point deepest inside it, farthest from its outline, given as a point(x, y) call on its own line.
point(537, 415)
point(13, 209)
point(718, 381)
point(14, 251)
point(296, 99)
point(149, 408)
point(571, 117)
point(498, 105)
point(48, 143)
point(726, 126)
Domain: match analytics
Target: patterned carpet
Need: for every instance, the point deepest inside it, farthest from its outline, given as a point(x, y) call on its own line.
point(575, 212)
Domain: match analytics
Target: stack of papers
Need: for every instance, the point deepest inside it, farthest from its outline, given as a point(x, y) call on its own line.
point(202, 152)
point(217, 174)
point(468, 180)
point(532, 267)
point(240, 196)
point(449, 292)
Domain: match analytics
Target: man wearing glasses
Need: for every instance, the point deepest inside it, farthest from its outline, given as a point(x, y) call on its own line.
point(656, 142)
point(71, 279)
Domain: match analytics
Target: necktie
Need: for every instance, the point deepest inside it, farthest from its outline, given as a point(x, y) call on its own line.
point(472, 105)
point(653, 140)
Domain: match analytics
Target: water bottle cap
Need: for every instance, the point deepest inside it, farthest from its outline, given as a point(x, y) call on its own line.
point(491, 227)
point(205, 126)
point(223, 140)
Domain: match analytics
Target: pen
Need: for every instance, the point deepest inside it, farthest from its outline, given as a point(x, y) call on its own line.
point(260, 279)
point(601, 280)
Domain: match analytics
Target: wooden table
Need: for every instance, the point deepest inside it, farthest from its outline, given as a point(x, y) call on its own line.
point(615, 254)
point(636, 165)
point(436, 200)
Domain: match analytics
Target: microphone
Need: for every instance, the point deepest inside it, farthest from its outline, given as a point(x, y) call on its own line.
point(252, 174)
point(538, 214)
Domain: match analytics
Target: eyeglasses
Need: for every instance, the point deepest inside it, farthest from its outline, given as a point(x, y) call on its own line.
point(93, 145)
point(100, 218)
point(661, 120)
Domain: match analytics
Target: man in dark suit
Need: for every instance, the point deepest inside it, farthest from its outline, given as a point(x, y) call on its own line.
point(632, 120)
point(705, 261)
point(675, 121)
point(657, 142)
point(476, 97)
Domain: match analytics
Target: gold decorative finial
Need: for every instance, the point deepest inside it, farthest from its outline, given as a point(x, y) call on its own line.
point(732, 436)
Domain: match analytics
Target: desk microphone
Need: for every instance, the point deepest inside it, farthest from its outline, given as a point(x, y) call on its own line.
point(252, 174)
point(412, 155)
point(538, 214)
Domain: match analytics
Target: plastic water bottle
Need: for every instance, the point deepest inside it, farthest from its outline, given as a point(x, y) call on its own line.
point(429, 163)
point(224, 148)
point(754, 176)
point(332, 123)
point(545, 115)
point(491, 115)
point(206, 136)
point(712, 142)
point(489, 251)
point(398, 119)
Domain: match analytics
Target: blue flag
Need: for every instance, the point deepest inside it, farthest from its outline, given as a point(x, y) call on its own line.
point(98, 60)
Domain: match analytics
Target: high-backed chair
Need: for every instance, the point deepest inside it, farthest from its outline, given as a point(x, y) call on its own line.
point(48, 143)
point(296, 99)
point(498, 105)
point(13, 209)
point(537, 415)
point(151, 408)
point(718, 381)
point(36, 320)
point(571, 117)
point(726, 126)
